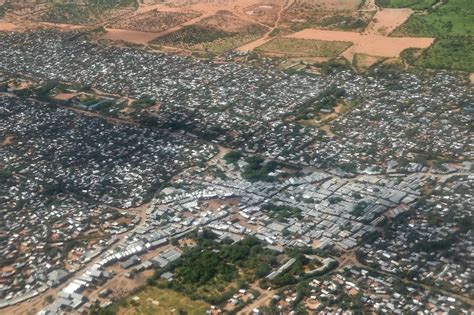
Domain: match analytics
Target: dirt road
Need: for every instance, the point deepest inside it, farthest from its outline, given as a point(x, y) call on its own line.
point(263, 299)
point(267, 36)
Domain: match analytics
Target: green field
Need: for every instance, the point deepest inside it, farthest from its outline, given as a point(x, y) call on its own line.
point(303, 47)
point(454, 18)
point(452, 24)
point(450, 53)
point(414, 4)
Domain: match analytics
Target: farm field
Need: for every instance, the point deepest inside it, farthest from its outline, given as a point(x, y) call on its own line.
point(216, 34)
point(303, 47)
point(387, 20)
point(376, 28)
point(330, 14)
point(370, 44)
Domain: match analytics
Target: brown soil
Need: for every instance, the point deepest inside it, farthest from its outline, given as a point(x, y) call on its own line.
point(387, 20)
point(267, 37)
point(370, 44)
point(8, 140)
point(225, 21)
point(64, 96)
point(263, 299)
point(136, 37)
point(263, 13)
point(7, 26)
point(311, 12)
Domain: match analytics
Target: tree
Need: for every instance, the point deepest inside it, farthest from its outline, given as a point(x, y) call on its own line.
point(232, 157)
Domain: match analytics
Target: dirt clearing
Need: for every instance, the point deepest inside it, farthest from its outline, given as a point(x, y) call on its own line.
point(7, 26)
point(136, 37)
point(387, 20)
point(369, 44)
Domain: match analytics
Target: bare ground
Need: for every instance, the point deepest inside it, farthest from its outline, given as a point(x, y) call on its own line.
point(387, 20)
point(136, 37)
point(370, 44)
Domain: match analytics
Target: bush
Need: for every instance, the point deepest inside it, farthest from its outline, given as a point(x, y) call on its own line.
point(232, 157)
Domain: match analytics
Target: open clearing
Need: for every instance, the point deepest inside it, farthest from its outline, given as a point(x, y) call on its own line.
point(7, 26)
point(153, 300)
point(303, 47)
point(387, 20)
point(136, 37)
point(370, 44)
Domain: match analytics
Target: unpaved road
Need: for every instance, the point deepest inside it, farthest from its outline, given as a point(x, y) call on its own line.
point(263, 299)
point(266, 37)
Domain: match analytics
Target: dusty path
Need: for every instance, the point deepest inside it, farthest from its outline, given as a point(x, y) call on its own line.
point(267, 37)
point(263, 299)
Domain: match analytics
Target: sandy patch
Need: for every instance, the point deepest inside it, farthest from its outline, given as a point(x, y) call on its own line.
point(136, 37)
point(7, 26)
point(8, 140)
point(387, 20)
point(254, 44)
point(64, 96)
point(471, 78)
point(370, 44)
